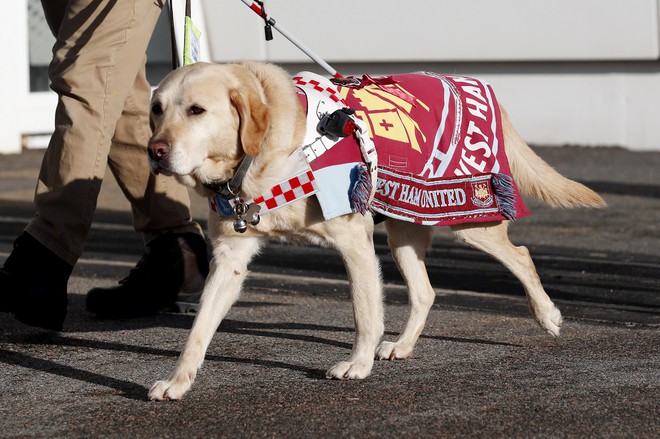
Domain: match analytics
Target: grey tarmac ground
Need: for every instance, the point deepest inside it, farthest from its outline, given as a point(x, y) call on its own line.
point(482, 367)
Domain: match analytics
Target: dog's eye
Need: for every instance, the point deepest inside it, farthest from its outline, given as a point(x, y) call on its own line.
point(196, 110)
point(157, 109)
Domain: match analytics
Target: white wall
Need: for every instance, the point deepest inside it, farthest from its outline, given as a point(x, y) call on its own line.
point(440, 30)
point(583, 72)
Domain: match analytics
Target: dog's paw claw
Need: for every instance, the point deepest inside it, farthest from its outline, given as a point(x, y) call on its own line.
point(158, 391)
point(168, 390)
point(393, 351)
point(551, 321)
point(348, 370)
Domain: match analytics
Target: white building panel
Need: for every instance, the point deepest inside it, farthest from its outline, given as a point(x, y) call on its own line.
point(439, 30)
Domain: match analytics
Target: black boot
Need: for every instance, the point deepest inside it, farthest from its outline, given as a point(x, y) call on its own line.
point(155, 281)
point(33, 284)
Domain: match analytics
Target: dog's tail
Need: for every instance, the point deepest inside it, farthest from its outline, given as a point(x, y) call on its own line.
point(539, 180)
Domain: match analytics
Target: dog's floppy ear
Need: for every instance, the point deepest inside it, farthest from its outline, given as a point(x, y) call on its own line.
point(254, 119)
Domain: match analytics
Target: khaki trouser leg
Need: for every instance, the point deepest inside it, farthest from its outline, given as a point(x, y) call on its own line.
point(101, 118)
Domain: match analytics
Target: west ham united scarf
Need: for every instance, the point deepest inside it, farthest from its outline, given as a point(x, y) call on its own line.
point(441, 158)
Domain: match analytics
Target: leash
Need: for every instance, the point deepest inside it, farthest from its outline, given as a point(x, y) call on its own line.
point(175, 58)
point(258, 8)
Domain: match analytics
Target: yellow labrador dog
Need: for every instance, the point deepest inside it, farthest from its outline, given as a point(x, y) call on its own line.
point(207, 118)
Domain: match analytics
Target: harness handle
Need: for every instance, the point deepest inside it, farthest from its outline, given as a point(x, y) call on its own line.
point(257, 8)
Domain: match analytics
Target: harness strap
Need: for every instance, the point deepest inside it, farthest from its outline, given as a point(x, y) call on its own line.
point(232, 186)
point(236, 181)
point(299, 183)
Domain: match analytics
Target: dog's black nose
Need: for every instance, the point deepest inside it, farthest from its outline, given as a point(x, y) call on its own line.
point(158, 150)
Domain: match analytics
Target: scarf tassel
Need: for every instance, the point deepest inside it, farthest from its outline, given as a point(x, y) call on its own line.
point(505, 195)
point(360, 191)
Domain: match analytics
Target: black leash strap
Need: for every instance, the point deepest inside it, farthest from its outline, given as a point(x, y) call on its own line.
point(175, 58)
point(234, 185)
point(268, 30)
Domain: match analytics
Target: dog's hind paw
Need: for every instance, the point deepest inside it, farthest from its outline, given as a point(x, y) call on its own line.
point(171, 389)
point(393, 351)
point(350, 370)
point(551, 321)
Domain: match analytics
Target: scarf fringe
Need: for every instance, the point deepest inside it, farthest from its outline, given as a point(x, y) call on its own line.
point(505, 195)
point(361, 189)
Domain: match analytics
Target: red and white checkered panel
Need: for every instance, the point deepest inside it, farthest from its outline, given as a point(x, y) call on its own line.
point(327, 89)
point(296, 188)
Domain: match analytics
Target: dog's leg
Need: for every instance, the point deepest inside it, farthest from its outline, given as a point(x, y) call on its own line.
point(409, 243)
point(222, 288)
point(356, 246)
point(492, 238)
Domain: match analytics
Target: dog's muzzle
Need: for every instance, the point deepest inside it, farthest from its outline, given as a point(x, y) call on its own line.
point(159, 151)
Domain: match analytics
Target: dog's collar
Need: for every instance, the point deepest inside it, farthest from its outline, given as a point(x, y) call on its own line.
point(233, 185)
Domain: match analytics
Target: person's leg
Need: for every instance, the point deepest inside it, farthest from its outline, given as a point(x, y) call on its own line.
point(93, 69)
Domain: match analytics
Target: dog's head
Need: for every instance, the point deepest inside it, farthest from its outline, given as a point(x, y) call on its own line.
point(205, 119)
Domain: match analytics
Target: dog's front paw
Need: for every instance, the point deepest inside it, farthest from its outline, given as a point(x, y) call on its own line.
point(550, 320)
point(170, 389)
point(393, 351)
point(350, 370)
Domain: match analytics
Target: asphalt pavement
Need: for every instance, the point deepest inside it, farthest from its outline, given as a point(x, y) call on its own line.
point(482, 368)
